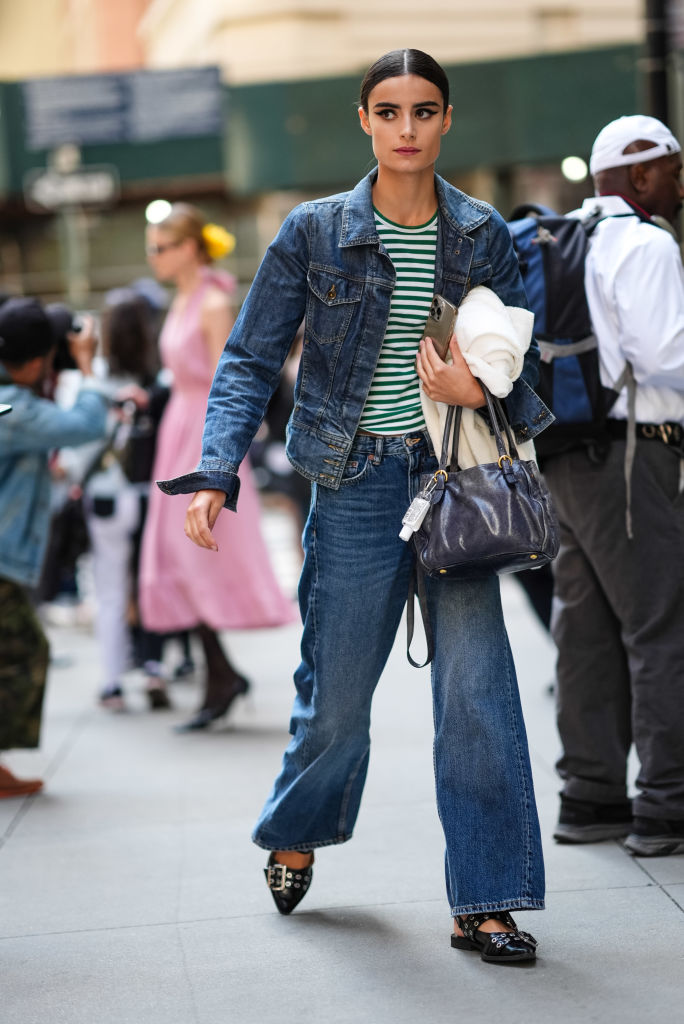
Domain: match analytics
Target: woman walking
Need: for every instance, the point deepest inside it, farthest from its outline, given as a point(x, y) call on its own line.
point(363, 266)
point(115, 498)
point(181, 587)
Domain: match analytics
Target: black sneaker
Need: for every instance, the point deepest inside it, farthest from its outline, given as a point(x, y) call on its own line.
point(582, 821)
point(655, 837)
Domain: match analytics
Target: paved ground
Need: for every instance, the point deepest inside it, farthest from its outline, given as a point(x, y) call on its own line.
point(130, 891)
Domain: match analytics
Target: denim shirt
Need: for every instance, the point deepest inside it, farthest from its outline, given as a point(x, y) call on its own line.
point(328, 266)
point(28, 434)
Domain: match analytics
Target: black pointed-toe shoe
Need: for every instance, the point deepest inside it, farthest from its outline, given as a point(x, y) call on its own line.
point(288, 886)
point(495, 947)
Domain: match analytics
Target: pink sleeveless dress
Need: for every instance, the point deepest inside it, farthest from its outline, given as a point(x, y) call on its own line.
point(182, 585)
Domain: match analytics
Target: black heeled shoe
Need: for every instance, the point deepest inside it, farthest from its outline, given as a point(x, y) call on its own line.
point(495, 947)
point(206, 715)
point(288, 886)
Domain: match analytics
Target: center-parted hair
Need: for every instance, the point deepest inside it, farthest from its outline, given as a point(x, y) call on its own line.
point(404, 62)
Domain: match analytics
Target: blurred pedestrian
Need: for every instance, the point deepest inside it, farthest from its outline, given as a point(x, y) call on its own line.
point(148, 647)
point(180, 586)
point(33, 428)
point(363, 266)
point(115, 492)
point(619, 587)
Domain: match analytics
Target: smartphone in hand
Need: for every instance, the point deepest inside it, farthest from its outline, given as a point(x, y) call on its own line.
point(440, 324)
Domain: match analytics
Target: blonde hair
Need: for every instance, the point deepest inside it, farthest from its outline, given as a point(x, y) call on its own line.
point(186, 221)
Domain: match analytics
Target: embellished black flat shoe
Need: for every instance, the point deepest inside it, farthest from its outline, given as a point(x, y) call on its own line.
point(495, 947)
point(288, 886)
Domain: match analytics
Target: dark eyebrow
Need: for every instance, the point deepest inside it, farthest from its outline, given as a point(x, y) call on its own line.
point(396, 106)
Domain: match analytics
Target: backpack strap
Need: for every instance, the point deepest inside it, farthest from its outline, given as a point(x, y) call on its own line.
point(627, 379)
point(550, 350)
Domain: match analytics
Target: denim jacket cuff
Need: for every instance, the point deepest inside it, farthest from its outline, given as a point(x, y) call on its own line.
point(201, 480)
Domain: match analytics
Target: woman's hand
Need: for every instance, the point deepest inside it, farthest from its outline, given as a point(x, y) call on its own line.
point(452, 383)
point(133, 393)
point(201, 516)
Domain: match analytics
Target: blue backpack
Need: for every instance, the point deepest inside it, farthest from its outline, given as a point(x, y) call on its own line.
point(552, 251)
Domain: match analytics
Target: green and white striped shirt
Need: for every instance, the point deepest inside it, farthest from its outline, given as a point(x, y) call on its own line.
point(393, 403)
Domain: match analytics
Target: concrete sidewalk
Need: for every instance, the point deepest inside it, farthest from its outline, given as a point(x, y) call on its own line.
point(130, 890)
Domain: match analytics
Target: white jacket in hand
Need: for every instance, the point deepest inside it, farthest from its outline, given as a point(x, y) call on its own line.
point(493, 339)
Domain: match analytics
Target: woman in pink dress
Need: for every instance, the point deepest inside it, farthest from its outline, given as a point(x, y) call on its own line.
point(182, 586)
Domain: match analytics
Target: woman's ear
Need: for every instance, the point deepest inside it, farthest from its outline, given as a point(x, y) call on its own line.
point(446, 123)
point(365, 123)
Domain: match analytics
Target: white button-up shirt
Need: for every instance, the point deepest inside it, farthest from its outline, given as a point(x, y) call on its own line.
point(634, 282)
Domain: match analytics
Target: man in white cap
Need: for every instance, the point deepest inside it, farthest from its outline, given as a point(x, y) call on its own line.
point(619, 601)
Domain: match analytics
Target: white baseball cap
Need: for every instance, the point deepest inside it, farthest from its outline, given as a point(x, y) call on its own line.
point(611, 141)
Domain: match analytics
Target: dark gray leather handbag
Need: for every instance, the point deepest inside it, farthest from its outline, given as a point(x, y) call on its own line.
point(492, 519)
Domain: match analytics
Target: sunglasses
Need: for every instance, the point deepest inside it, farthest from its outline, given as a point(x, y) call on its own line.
point(157, 250)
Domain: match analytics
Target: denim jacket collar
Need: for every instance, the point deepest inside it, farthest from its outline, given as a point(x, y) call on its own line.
point(463, 214)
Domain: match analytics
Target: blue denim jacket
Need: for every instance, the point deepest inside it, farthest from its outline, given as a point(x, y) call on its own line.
point(327, 265)
point(28, 434)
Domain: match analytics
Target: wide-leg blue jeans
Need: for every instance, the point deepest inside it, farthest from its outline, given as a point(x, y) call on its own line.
point(352, 594)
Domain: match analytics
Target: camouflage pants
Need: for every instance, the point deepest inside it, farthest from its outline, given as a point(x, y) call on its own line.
point(24, 654)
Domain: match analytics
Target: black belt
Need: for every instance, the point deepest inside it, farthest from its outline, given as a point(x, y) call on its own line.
point(671, 434)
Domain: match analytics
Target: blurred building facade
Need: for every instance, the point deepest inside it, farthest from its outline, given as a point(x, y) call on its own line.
point(271, 40)
point(532, 83)
point(278, 40)
point(68, 37)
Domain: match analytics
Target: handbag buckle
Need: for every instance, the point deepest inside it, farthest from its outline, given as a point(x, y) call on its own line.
point(504, 458)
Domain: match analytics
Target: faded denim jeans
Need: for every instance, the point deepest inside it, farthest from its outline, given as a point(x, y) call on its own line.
point(352, 594)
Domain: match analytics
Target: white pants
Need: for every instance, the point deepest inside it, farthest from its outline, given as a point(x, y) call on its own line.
point(111, 538)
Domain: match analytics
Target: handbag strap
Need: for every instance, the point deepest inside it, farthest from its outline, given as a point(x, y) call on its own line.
point(505, 426)
point(453, 411)
point(500, 427)
point(417, 586)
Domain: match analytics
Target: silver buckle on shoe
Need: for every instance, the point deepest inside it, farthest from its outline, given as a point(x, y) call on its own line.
point(278, 886)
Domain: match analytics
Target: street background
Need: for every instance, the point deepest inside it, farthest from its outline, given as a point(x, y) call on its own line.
point(130, 890)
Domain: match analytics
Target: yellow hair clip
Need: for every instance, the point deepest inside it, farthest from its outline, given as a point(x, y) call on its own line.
point(218, 241)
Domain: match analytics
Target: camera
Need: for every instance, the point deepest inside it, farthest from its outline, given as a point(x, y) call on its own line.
point(63, 321)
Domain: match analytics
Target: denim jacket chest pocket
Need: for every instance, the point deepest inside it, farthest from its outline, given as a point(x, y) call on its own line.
point(332, 301)
point(467, 263)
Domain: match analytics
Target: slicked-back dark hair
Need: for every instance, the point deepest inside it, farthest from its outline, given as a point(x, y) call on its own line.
point(404, 62)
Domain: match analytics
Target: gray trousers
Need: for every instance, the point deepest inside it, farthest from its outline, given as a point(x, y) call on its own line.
point(618, 622)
